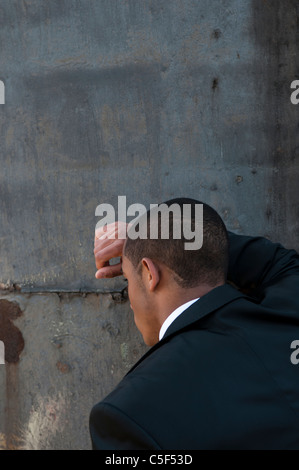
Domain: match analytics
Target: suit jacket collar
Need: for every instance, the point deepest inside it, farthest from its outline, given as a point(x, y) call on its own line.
point(217, 298)
point(210, 302)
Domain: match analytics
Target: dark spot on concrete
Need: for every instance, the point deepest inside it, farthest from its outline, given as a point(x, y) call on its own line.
point(62, 367)
point(214, 187)
point(120, 297)
point(238, 55)
point(254, 171)
point(57, 343)
point(239, 179)
point(268, 212)
point(10, 335)
point(215, 84)
point(112, 330)
point(295, 154)
point(217, 33)
point(117, 297)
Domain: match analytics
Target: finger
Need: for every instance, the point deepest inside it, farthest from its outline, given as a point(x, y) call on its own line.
point(116, 230)
point(101, 264)
point(109, 272)
point(103, 255)
point(109, 233)
point(112, 250)
point(99, 231)
point(100, 244)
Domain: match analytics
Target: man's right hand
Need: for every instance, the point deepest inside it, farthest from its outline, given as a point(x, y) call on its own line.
point(109, 242)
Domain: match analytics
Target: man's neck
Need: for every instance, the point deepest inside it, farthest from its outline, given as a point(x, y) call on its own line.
point(174, 315)
point(174, 298)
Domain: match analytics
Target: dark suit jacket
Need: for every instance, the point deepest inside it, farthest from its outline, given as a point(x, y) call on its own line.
point(221, 378)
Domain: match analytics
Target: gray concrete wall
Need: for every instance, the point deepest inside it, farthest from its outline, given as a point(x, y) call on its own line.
point(145, 98)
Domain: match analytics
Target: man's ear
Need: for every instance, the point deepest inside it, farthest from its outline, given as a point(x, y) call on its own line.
point(150, 273)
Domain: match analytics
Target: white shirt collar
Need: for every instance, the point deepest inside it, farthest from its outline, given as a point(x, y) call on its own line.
point(173, 316)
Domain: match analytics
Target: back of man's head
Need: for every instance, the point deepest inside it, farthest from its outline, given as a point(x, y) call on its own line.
point(206, 265)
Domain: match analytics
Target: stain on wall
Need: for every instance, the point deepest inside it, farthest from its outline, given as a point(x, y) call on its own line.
point(10, 335)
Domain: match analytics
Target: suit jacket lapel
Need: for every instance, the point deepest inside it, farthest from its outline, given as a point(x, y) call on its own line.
point(207, 304)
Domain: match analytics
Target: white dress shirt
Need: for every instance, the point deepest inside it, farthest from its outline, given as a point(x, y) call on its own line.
point(173, 316)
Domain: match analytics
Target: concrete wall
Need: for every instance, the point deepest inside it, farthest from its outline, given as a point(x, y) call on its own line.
point(144, 98)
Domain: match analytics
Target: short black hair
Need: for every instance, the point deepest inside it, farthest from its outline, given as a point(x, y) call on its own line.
point(207, 265)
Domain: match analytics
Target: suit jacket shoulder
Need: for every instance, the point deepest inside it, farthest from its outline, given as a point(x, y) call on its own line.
point(190, 393)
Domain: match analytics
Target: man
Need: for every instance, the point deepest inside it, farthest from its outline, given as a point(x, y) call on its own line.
point(219, 374)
